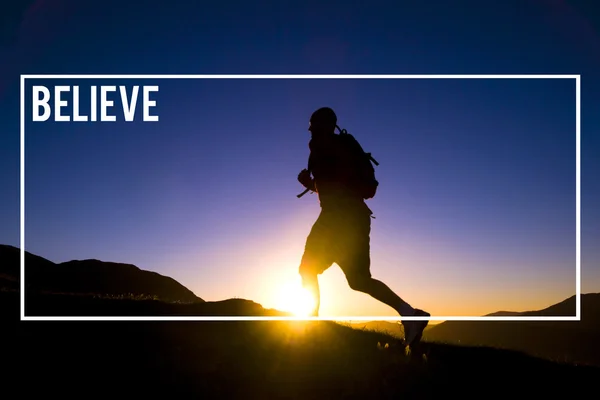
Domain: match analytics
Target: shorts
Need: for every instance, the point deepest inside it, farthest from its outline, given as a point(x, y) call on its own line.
point(339, 237)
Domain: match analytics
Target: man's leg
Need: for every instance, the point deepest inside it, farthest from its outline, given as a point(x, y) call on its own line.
point(356, 264)
point(413, 330)
point(310, 269)
point(380, 291)
point(310, 282)
point(355, 261)
point(316, 259)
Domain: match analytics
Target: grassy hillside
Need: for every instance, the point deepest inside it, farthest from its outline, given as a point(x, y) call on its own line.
point(254, 360)
point(389, 328)
point(260, 359)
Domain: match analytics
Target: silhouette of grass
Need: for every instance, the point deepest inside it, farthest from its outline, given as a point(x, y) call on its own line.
point(257, 359)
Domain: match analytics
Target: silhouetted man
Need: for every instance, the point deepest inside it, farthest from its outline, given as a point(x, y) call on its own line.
point(341, 233)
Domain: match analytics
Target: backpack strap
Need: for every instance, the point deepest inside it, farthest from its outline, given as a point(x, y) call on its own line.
point(303, 193)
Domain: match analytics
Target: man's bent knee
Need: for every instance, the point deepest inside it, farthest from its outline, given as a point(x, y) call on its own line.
point(359, 282)
point(312, 265)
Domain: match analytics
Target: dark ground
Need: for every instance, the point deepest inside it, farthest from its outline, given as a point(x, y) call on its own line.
point(257, 359)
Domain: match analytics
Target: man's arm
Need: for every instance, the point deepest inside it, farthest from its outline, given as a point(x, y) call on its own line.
point(306, 180)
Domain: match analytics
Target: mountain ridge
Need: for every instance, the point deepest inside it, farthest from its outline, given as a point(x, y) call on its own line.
point(574, 341)
point(89, 276)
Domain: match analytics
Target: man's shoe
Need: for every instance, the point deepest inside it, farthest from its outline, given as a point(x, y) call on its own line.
point(413, 330)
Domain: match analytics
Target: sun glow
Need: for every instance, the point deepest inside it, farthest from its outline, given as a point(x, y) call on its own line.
point(295, 299)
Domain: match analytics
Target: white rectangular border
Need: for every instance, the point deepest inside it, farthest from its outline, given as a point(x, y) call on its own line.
point(577, 316)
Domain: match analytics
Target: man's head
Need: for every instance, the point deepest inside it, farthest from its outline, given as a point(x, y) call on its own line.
point(322, 122)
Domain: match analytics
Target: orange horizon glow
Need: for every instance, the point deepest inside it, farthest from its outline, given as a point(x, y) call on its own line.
point(433, 282)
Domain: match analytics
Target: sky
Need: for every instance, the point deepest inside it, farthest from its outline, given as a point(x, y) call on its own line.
point(476, 209)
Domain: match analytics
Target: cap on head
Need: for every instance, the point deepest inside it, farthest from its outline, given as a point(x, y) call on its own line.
point(323, 117)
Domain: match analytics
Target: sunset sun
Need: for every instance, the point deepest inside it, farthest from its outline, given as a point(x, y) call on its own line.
point(295, 299)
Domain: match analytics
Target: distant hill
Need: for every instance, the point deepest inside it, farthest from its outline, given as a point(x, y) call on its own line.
point(89, 277)
point(570, 341)
point(67, 305)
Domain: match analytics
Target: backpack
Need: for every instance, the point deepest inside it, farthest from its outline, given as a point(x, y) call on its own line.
point(367, 183)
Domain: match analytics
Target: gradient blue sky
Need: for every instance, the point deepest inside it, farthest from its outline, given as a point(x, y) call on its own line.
point(476, 208)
